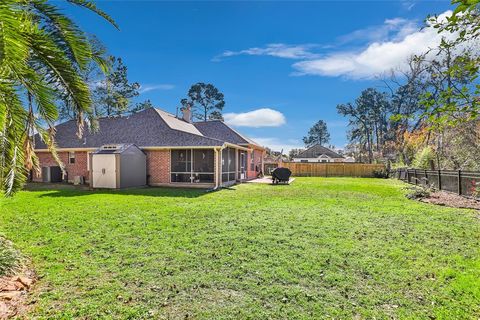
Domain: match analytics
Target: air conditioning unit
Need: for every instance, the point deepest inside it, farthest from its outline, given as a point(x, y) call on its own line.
point(52, 174)
point(78, 180)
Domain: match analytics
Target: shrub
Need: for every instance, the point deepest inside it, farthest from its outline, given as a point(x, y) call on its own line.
point(399, 165)
point(383, 174)
point(475, 189)
point(9, 257)
point(419, 192)
point(423, 158)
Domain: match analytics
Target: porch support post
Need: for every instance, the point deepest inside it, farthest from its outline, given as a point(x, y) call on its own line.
point(215, 167)
point(218, 167)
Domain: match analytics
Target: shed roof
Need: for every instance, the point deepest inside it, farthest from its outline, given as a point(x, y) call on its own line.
point(115, 148)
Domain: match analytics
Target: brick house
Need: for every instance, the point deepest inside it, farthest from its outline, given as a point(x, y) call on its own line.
point(179, 152)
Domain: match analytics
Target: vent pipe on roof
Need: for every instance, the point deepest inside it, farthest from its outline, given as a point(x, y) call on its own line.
point(187, 113)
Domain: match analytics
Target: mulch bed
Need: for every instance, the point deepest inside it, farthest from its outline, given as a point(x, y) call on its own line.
point(452, 200)
point(13, 293)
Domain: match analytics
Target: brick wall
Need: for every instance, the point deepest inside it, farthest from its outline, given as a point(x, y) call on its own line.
point(158, 166)
point(79, 168)
point(257, 161)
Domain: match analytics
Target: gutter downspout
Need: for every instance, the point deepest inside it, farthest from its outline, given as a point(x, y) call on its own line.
point(218, 167)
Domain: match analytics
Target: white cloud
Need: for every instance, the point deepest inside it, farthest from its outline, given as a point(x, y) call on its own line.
point(264, 117)
point(391, 29)
point(277, 145)
point(378, 57)
point(153, 87)
point(279, 50)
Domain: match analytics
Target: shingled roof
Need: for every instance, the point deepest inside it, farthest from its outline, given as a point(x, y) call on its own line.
point(316, 151)
point(147, 128)
point(219, 130)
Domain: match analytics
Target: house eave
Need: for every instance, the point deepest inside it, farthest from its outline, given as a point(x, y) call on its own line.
point(147, 148)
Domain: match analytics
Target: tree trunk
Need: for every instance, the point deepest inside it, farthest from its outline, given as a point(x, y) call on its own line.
point(369, 144)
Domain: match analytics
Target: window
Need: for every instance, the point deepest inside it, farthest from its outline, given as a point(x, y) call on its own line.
point(192, 166)
point(304, 161)
point(252, 160)
point(71, 157)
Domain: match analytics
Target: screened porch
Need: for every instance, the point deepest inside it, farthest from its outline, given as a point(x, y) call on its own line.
point(192, 166)
point(197, 166)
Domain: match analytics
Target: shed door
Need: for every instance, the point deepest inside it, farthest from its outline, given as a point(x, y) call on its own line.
point(103, 171)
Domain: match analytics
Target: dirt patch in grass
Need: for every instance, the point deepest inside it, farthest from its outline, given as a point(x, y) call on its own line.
point(451, 200)
point(15, 281)
point(14, 293)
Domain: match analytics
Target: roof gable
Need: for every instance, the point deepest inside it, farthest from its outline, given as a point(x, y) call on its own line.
point(220, 130)
point(178, 124)
point(317, 151)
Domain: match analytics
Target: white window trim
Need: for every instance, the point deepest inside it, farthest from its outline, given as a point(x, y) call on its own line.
point(70, 154)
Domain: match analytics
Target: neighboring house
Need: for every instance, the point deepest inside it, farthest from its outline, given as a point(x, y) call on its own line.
point(318, 153)
point(178, 152)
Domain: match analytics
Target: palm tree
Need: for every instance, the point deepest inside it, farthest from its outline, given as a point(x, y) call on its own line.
point(42, 56)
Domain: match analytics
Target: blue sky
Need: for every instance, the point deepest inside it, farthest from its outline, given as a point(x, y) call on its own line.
point(290, 63)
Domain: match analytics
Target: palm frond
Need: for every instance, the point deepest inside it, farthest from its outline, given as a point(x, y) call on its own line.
point(60, 71)
point(65, 33)
point(42, 56)
point(92, 6)
point(12, 136)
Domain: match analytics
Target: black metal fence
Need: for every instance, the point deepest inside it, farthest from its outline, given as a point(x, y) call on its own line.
point(461, 182)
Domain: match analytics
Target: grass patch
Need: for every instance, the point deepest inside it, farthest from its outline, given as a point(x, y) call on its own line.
point(319, 248)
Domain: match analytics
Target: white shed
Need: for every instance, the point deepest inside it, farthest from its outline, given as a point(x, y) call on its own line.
point(118, 166)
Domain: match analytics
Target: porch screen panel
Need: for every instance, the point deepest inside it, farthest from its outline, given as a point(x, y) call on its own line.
point(232, 170)
point(225, 165)
point(203, 166)
point(228, 164)
point(181, 166)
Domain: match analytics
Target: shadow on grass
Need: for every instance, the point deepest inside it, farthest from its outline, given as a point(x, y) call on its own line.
point(61, 190)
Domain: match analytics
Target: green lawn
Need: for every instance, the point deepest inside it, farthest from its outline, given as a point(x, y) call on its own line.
point(320, 248)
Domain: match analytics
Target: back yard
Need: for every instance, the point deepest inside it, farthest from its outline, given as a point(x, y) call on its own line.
point(321, 247)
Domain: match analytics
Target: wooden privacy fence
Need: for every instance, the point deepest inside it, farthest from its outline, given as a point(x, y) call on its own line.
point(332, 169)
point(458, 181)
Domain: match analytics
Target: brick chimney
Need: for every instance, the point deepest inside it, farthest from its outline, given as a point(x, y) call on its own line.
point(187, 113)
